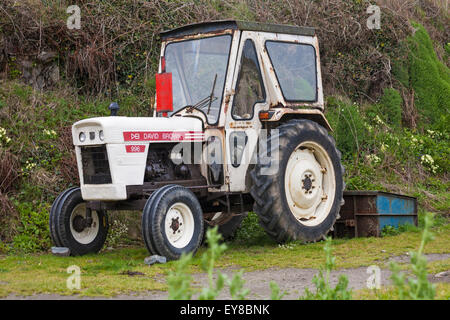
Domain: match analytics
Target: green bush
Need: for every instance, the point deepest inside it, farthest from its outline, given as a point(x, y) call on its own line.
point(391, 107)
point(349, 127)
point(33, 229)
point(392, 231)
point(429, 78)
point(250, 232)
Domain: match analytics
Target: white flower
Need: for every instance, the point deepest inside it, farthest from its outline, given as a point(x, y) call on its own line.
point(428, 161)
point(378, 120)
point(50, 133)
point(373, 158)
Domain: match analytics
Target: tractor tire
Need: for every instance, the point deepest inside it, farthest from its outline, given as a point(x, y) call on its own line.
point(68, 210)
point(229, 228)
point(52, 219)
point(146, 225)
point(301, 199)
point(172, 222)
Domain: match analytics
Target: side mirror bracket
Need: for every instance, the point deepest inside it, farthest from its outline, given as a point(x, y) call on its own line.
point(114, 108)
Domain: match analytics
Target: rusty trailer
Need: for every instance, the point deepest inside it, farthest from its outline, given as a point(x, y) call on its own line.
point(366, 213)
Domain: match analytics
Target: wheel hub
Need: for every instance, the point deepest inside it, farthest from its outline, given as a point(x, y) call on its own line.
point(309, 183)
point(78, 224)
point(304, 181)
point(174, 225)
point(84, 229)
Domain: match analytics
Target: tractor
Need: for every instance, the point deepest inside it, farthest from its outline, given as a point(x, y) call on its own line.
point(237, 126)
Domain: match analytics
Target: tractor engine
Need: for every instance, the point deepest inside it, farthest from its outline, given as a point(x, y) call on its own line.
point(116, 153)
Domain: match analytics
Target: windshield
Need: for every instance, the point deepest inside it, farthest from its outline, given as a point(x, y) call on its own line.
point(194, 65)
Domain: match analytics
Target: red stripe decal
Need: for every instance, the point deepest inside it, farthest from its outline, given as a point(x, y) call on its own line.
point(135, 149)
point(163, 136)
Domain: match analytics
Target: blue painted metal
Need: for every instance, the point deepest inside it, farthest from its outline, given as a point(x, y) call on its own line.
point(395, 211)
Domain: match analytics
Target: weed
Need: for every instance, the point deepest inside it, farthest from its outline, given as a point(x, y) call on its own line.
point(322, 281)
point(418, 288)
point(215, 250)
point(250, 232)
point(389, 230)
point(275, 293)
point(391, 107)
point(116, 232)
point(179, 281)
point(33, 234)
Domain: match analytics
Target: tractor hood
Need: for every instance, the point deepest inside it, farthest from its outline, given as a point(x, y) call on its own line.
point(113, 130)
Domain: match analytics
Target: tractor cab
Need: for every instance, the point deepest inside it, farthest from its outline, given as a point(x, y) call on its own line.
point(239, 77)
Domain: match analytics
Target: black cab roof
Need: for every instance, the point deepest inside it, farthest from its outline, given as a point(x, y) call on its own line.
point(217, 26)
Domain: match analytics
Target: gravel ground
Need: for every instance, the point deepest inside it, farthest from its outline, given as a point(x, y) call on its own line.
point(291, 280)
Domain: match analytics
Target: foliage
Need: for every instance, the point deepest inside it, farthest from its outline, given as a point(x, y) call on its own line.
point(391, 104)
point(179, 280)
point(275, 293)
point(349, 127)
point(250, 232)
point(116, 232)
point(322, 282)
point(33, 234)
point(418, 288)
point(429, 78)
point(215, 250)
point(389, 230)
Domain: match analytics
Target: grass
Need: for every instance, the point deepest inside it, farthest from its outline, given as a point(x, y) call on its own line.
point(104, 274)
point(389, 293)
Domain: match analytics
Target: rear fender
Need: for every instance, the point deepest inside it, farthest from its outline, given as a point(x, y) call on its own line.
point(281, 115)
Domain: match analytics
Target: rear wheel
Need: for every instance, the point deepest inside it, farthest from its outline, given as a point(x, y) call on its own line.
point(172, 222)
point(71, 227)
point(302, 198)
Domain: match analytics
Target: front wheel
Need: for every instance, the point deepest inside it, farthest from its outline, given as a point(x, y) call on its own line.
point(172, 222)
point(301, 198)
point(71, 227)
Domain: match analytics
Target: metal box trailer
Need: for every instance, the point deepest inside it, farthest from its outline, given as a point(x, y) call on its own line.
point(366, 213)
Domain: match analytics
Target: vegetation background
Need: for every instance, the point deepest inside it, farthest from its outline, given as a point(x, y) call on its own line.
point(388, 92)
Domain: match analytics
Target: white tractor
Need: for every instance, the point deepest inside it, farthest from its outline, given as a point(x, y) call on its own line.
point(238, 127)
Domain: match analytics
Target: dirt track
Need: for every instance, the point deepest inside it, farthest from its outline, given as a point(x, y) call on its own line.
point(292, 280)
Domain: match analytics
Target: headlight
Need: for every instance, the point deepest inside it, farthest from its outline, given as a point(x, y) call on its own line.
point(101, 135)
point(82, 137)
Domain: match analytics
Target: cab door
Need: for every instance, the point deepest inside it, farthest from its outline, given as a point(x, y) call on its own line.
point(242, 122)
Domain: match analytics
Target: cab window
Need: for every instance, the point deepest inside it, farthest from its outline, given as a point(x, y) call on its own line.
point(249, 87)
point(295, 68)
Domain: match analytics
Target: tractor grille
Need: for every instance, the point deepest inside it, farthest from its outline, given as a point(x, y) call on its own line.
point(95, 165)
